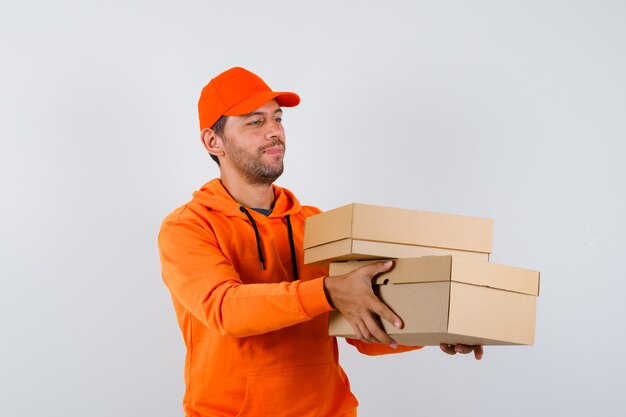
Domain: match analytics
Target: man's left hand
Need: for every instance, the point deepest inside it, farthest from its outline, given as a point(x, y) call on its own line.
point(463, 349)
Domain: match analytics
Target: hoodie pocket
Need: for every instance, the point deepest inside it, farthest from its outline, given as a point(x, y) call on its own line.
point(307, 391)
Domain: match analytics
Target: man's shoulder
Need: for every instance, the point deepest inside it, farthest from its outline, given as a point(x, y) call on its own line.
point(189, 213)
point(308, 211)
point(190, 222)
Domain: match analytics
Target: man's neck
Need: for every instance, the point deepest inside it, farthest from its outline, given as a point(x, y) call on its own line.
point(248, 195)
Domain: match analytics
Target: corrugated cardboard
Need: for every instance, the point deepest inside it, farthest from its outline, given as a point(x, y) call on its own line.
point(360, 231)
point(448, 299)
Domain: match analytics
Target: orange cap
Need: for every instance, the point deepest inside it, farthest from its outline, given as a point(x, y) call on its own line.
point(235, 92)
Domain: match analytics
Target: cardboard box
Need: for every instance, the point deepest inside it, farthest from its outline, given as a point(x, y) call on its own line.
point(447, 299)
point(360, 231)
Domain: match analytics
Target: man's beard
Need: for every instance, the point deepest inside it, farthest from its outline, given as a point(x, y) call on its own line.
point(252, 166)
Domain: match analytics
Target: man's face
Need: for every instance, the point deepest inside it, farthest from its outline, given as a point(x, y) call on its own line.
point(254, 144)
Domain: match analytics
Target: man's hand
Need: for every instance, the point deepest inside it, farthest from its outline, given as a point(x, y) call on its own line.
point(464, 349)
point(353, 296)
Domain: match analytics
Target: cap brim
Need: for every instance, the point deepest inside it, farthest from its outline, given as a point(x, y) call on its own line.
point(250, 104)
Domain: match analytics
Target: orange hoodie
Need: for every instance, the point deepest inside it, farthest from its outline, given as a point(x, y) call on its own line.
point(257, 339)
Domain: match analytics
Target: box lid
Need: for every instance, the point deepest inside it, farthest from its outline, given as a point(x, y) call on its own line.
point(451, 268)
point(386, 224)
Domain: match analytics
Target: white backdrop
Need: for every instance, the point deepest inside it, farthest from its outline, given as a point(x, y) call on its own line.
point(510, 110)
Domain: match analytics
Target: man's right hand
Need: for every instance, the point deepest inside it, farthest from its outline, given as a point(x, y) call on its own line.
point(353, 296)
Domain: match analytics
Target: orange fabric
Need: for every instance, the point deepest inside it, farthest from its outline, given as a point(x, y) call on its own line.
point(374, 349)
point(257, 341)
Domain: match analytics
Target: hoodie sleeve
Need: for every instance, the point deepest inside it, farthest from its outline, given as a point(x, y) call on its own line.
point(201, 279)
point(375, 349)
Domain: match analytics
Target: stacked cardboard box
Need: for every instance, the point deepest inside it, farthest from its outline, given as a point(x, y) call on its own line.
point(442, 284)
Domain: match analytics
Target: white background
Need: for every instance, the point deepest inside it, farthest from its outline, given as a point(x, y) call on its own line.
point(510, 110)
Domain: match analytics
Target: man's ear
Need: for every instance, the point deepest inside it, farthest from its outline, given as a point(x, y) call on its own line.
point(212, 142)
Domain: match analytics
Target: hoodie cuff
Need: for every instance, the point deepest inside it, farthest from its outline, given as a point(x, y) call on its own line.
point(313, 298)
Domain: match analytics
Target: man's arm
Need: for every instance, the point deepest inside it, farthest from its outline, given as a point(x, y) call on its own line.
point(207, 285)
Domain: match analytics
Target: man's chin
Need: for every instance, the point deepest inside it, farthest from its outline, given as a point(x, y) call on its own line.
point(270, 178)
point(267, 177)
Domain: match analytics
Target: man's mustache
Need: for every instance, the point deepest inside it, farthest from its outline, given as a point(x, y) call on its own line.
point(272, 144)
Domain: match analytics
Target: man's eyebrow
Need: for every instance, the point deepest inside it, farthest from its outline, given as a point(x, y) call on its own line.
point(259, 113)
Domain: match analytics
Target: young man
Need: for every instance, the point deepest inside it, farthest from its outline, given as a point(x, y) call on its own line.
point(254, 318)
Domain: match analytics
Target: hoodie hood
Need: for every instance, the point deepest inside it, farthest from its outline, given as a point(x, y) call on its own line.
point(214, 196)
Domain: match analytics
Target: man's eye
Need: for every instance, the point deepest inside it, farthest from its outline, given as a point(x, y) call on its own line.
point(255, 122)
point(279, 119)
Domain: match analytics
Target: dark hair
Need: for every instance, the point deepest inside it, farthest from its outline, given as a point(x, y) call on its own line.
point(218, 129)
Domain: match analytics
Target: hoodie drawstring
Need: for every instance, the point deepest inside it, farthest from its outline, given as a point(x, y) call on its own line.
point(292, 245)
point(256, 233)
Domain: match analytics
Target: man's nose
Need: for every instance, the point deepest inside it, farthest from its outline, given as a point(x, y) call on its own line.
point(274, 130)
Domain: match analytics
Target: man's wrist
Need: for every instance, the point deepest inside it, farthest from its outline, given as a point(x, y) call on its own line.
point(327, 291)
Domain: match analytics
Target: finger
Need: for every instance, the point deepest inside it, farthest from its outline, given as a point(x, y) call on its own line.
point(382, 310)
point(478, 352)
point(464, 349)
point(378, 332)
point(449, 349)
point(374, 269)
point(357, 331)
point(366, 334)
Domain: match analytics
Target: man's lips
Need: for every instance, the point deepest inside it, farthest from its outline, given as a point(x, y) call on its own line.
point(274, 150)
